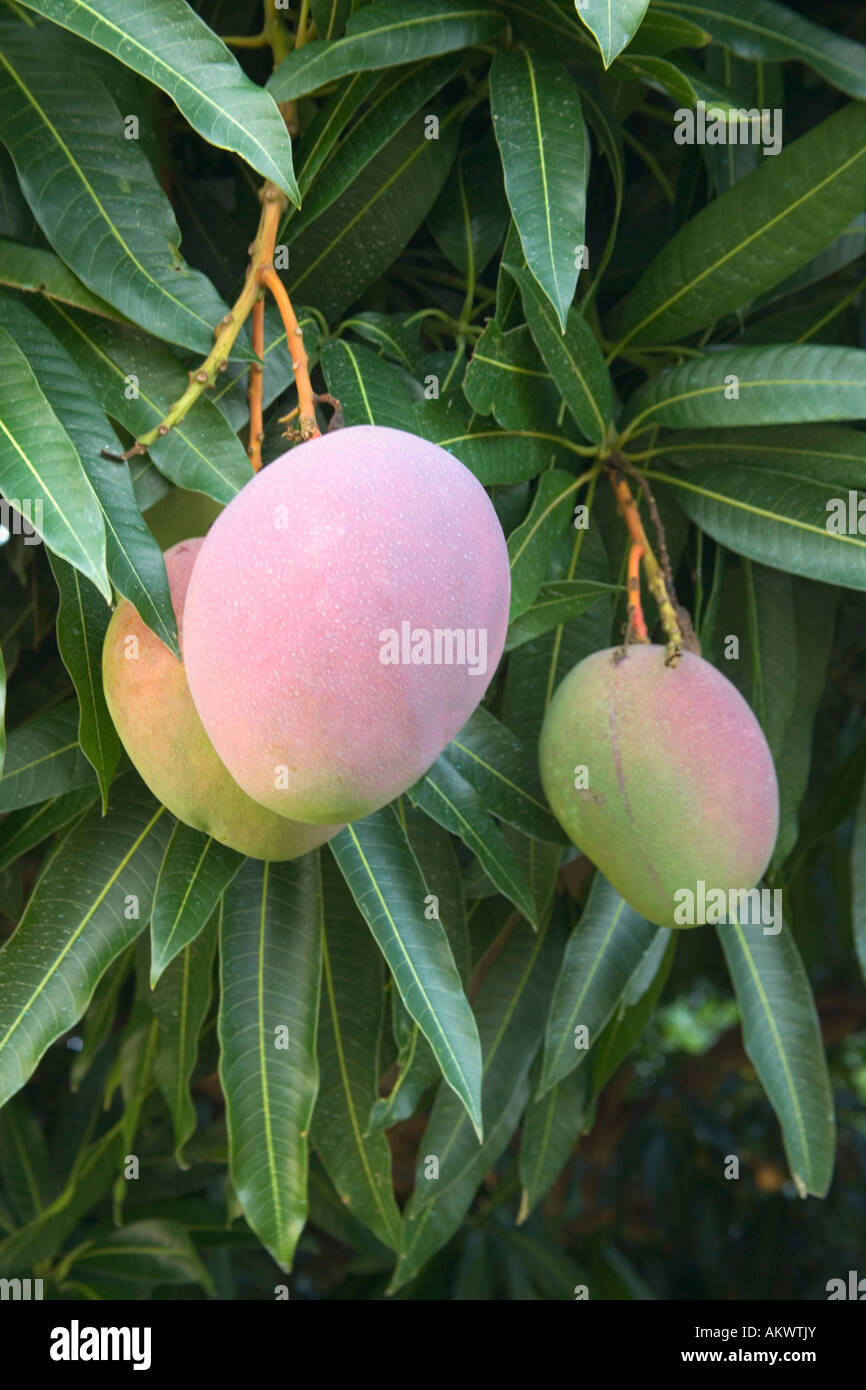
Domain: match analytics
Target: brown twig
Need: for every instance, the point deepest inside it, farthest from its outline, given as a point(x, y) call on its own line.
point(256, 387)
point(261, 253)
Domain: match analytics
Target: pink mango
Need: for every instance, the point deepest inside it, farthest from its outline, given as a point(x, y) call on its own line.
point(345, 617)
point(663, 777)
point(149, 701)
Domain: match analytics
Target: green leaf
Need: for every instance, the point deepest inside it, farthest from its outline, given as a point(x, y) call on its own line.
point(782, 1037)
point(752, 236)
point(94, 193)
point(133, 558)
point(659, 33)
point(340, 252)
point(100, 1017)
point(327, 130)
point(573, 358)
point(774, 518)
point(44, 759)
point(41, 272)
point(506, 378)
point(827, 454)
point(377, 862)
point(469, 217)
point(350, 1035)
point(504, 772)
point(605, 948)
point(511, 1006)
point(383, 35)
point(613, 24)
point(775, 385)
point(144, 1252)
point(538, 124)
point(551, 1129)
point(530, 546)
point(370, 390)
point(136, 381)
point(765, 31)
point(446, 796)
point(636, 1008)
point(91, 901)
point(329, 17)
point(41, 473)
point(395, 335)
point(270, 954)
point(180, 1003)
point(556, 603)
point(192, 878)
point(25, 1172)
point(25, 829)
point(82, 620)
point(166, 42)
point(493, 454)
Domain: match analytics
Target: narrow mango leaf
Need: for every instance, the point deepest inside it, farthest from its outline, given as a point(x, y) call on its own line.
point(507, 378)
point(755, 386)
point(327, 129)
point(166, 42)
point(41, 474)
point(504, 772)
point(556, 603)
point(270, 955)
point(342, 251)
point(25, 1172)
point(573, 358)
point(636, 1008)
point(613, 24)
point(824, 453)
point(329, 17)
point(192, 878)
point(143, 1252)
point(605, 948)
point(44, 759)
point(82, 620)
point(782, 1036)
point(350, 1038)
point(470, 216)
point(377, 862)
point(531, 544)
point(91, 901)
point(779, 520)
point(764, 31)
point(370, 390)
point(446, 796)
point(37, 271)
point(510, 1009)
point(23, 830)
point(84, 199)
point(100, 1017)
point(133, 558)
point(538, 124)
point(180, 1003)
point(136, 381)
point(493, 454)
point(551, 1129)
point(752, 236)
point(384, 35)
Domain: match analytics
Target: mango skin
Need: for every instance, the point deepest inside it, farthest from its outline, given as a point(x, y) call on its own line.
point(336, 542)
point(149, 701)
point(682, 787)
point(179, 515)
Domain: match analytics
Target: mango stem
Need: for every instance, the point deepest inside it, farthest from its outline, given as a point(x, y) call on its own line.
point(308, 429)
point(655, 577)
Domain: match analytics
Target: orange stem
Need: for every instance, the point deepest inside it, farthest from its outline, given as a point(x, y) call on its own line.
point(655, 577)
point(636, 622)
point(295, 343)
point(256, 390)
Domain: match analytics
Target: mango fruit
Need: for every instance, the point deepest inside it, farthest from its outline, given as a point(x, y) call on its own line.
point(149, 700)
point(345, 616)
point(662, 777)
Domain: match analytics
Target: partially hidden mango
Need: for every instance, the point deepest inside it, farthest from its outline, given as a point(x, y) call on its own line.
point(149, 701)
